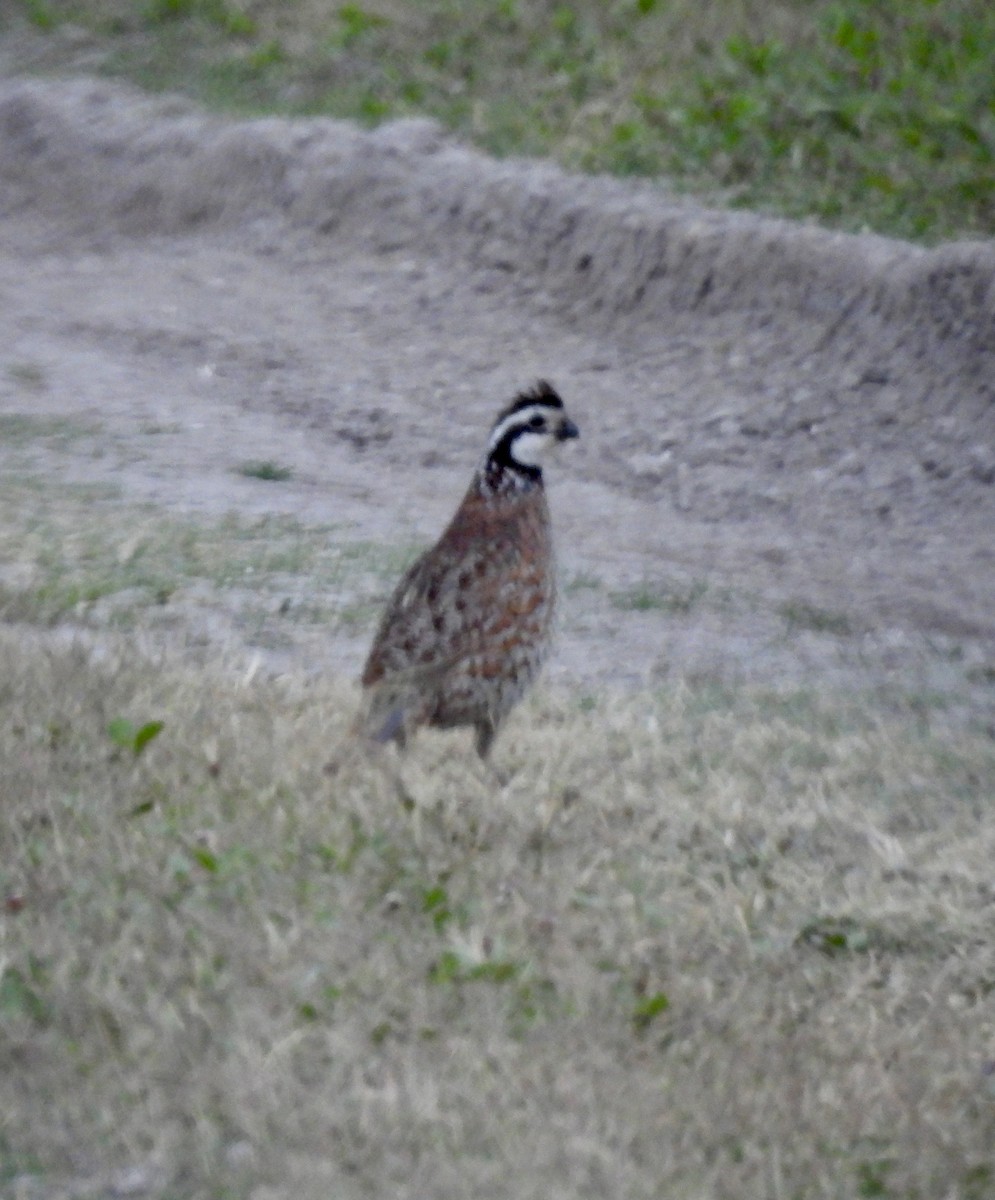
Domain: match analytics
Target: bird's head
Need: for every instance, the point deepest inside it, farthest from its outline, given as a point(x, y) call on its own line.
point(524, 432)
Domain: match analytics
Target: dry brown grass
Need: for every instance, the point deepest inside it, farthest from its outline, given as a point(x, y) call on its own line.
point(702, 944)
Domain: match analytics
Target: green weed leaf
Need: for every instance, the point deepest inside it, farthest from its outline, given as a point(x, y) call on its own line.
point(121, 732)
point(146, 734)
point(835, 935)
point(205, 859)
point(128, 736)
point(18, 996)
point(649, 1008)
point(445, 969)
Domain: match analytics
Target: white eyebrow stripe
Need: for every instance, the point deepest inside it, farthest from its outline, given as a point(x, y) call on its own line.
point(515, 420)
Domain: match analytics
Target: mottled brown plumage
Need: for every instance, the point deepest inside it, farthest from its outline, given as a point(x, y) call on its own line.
point(468, 626)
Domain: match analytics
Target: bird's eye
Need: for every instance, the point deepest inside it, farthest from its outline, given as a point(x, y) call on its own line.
point(537, 422)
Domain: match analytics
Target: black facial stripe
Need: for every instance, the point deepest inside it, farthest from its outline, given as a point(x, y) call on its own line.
point(501, 457)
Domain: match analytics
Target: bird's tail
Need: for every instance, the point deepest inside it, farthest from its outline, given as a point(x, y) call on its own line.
point(389, 728)
point(392, 709)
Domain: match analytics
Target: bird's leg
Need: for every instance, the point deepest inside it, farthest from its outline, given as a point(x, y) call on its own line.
point(485, 732)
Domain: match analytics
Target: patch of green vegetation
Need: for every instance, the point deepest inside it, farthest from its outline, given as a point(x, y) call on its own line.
point(85, 493)
point(533, 1000)
point(582, 581)
point(128, 736)
point(67, 547)
point(21, 992)
point(648, 1008)
point(450, 967)
point(801, 615)
point(435, 901)
point(872, 1177)
point(19, 429)
point(671, 599)
point(13, 1166)
point(267, 470)
point(43, 16)
point(354, 23)
point(28, 375)
point(155, 428)
point(360, 614)
point(880, 114)
point(225, 17)
point(835, 935)
point(845, 935)
point(861, 115)
point(978, 1181)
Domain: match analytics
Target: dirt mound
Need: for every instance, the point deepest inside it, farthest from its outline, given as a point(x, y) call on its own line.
point(602, 247)
point(894, 333)
point(612, 251)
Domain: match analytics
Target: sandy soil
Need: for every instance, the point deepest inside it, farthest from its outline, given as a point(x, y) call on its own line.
point(779, 415)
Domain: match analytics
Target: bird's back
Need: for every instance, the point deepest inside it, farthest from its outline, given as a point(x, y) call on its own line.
point(469, 623)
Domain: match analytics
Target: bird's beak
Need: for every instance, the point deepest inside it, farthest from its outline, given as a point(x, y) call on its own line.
point(566, 429)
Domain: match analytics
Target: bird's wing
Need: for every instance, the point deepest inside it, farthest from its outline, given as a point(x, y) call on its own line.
point(446, 607)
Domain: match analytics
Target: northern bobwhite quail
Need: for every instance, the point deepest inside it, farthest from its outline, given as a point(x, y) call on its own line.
point(469, 624)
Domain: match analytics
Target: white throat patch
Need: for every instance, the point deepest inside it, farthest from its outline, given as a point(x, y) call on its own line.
point(529, 449)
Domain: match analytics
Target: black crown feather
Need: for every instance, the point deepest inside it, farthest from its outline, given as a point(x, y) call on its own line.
point(543, 393)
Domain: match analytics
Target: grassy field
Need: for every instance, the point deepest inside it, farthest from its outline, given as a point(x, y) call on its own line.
point(702, 943)
point(707, 941)
point(860, 115)
point(73, 551)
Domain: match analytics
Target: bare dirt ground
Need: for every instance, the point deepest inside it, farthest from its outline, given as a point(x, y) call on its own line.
point(787, 470)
